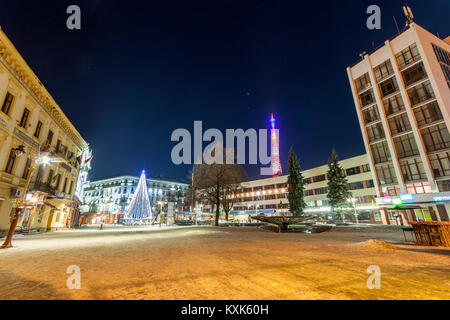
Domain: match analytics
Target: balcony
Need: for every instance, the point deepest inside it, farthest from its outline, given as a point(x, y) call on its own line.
point(42, 187)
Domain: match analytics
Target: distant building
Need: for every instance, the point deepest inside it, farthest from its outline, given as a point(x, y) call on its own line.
point(31, 120)
point(269, 195)
point(108, 199)
point(402, 99)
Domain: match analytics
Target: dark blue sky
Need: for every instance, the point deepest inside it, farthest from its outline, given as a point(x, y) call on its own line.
point(140, 69)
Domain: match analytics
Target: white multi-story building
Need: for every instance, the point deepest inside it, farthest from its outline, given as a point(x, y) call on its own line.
point(402, 99)
point(109, 198)
point(269, 195)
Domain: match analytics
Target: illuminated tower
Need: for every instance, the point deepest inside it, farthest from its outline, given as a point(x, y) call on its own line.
point(140, 207)
point(276, 165)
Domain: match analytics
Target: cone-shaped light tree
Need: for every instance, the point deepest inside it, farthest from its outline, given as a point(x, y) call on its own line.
point(296, 187)
point(338, 192)
point(140, 207)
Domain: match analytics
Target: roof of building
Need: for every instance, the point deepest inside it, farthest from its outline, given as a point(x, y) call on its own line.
point(15, 63)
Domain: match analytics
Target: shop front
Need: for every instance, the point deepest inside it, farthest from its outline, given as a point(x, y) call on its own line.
point(418, 207)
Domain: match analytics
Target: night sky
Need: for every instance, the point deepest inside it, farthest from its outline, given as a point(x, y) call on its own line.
point(137, 70)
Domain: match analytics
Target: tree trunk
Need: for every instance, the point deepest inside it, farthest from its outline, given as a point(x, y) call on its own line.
point(226, 215)
point(12, 228)
point(217, 213)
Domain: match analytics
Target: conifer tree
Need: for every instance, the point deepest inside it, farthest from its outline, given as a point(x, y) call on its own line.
point(295, 185)
point(338, 192)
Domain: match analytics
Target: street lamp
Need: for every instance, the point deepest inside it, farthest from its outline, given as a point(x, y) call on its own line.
point(37, 160)
point(353, 201)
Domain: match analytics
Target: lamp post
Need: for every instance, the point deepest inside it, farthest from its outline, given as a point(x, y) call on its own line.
point(15, 218)
point(353, 201)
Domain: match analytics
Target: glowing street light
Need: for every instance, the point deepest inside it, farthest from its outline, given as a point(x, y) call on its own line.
point(39, 159)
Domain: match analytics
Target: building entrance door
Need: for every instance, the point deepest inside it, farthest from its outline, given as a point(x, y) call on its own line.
point(49, 221)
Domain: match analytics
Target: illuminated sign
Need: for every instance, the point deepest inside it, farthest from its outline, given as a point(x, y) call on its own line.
point(396, 200)
point(387, 199)
point(406, 196)
point(442, 198)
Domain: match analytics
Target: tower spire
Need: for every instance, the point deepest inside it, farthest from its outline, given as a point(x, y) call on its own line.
point(274, 133)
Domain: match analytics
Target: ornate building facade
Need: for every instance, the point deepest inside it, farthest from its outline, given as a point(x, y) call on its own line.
point(32, 124)
point(108, 199)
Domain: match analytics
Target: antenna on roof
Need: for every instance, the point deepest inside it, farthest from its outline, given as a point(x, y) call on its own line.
point(409, 15)
point(396, 25)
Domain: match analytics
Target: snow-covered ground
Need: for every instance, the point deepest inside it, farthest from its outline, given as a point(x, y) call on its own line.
point(222, 263)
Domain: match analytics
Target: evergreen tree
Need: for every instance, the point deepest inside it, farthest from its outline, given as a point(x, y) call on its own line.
point(338, 192)
point(296, 188)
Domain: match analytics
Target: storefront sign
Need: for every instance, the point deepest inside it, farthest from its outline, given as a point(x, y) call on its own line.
point(441, 198)
point(406, 196)
point(22, 135)
point(65, 166)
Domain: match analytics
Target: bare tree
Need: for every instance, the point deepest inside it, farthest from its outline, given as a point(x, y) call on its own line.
point(228, 198)
point(213, 180)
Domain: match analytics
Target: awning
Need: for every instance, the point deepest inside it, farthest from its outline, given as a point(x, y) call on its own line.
point(50, 205)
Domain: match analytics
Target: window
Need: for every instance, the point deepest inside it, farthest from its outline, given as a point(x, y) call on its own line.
point(412, 169)
point(380, 152)
point(375, 132)
point(366, 98)
point(11, 160)
point(37, 132)
point(308, 192)
point(49, 137)
point(58, 180)
point(399, 124)
point(26, 169)
point(64, 185)
point(444, 59)
point(423, 187)
point(319, 178)
point(362, 82)
point(386, 174)
point(406, 146)
point(71, 187)
point(24, 120)
point(420, 93)
point(436, 137)
point(58, 146)
point(387, 87)
point(39, 174)
point(366, 167)
point(393, 104)
point(428, 113)
point(414, 74)
point(7, 103)
point(321, 190)
point(440, 164)
point(50, 176)
point(407, 56)
point(306, 180)
point(352, 171)
point(356, 185)
point(383, 70)
point(443, 185)
point(371, 114)
point(369, 184)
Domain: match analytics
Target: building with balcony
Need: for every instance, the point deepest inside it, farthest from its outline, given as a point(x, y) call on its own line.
point(269, 196)
point(108, 199)
point(401, 92)
point(31, 120)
